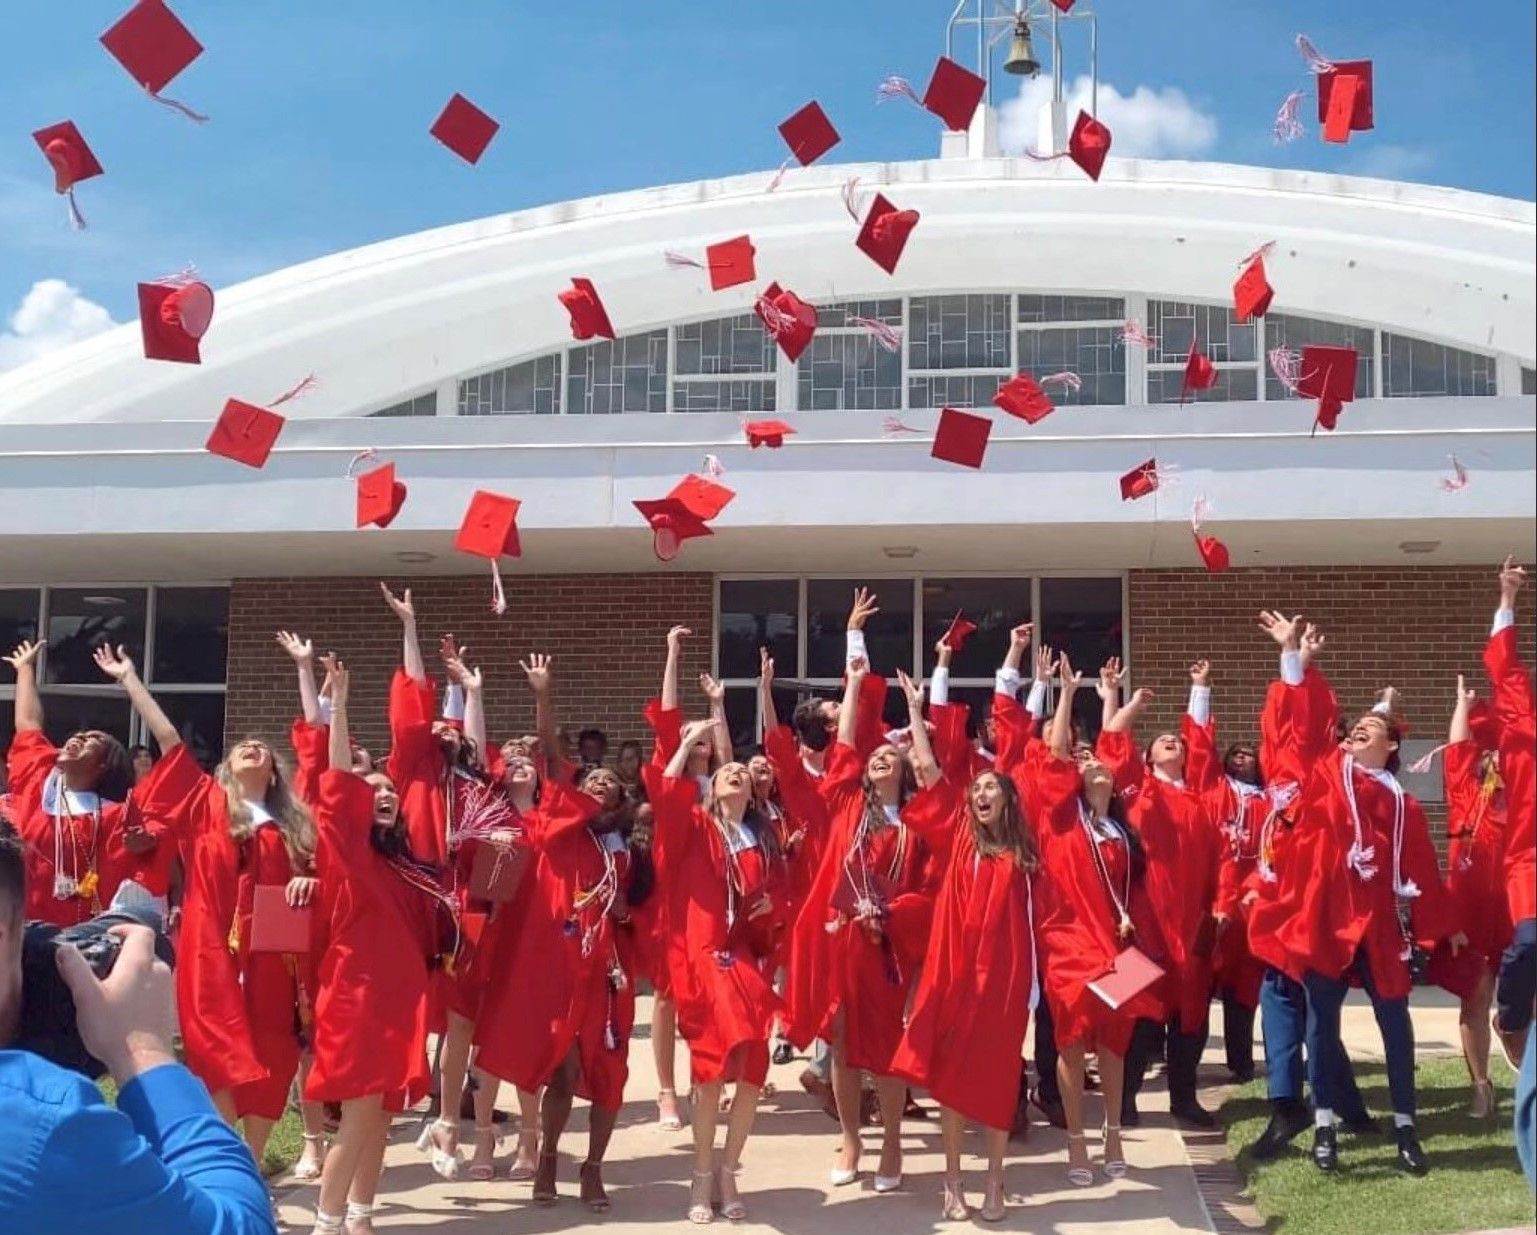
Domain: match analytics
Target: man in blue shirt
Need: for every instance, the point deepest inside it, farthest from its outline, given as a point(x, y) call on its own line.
point(163, 1161)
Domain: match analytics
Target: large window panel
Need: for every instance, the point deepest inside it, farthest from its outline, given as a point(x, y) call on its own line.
point(1286, 330)
point(994, 605)
point(1176, 324)
point(1082, 617)
point(82, 619)
point(18, 624)
point(1094, 353)
point(66, 713)
point(888, 635)
point(530, 388)
point(959, 332)
point(1417, 369)
point(724, 345)
point(1036, 309)
point(757, 613)
point(1529, 381)
point(199, 719)
point(421, 405)
point(1231, 386)
point(621, 375)
point(191, 635)
point(932, 392)
point(848, 371)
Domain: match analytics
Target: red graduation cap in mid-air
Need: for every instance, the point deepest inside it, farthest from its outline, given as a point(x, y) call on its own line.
point(490, 530)
point(1088, 145)
point(1345, 99)
point(809, 134)
point(1200, 373)
point(953, 94)
point(770, 433)
point(958, 632)
point(885, 232)
point(245, 433)
point(1140, 481)
point(1023, 397)
point(173, 318)
point(790, 321)
point(464, 129)
point(1328, 374)
point(380, 496)
point(961, 437)
point(589, 319)
point(1252, 292)
point(152, 44)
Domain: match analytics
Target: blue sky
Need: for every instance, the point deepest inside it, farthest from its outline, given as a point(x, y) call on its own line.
point(320, 110)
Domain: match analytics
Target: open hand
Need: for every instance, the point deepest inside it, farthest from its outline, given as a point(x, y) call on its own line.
point(114, 662)
point(864, 608)
point(401, 605)
point(26, 653)
point(302, 650)
point(537, 669)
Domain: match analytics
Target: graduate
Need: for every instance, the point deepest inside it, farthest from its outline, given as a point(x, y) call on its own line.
point(79, 812)
point(387, 922)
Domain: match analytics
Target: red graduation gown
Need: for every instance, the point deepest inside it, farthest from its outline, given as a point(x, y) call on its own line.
point(1182, 865)
point(384, 928)
point(1513, 705)
point(845, 970)
point(964, 1038)
point(90, 843)
point(549, 993)
point(417, 767)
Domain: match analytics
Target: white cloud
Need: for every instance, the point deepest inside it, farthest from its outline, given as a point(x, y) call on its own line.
point(1147, 123)
point(51, 315)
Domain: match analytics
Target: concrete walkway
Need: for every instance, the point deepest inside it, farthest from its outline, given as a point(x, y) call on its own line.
point(784, 1178)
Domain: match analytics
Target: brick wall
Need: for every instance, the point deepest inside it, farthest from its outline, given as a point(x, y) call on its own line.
point(607, 634)
point(1412, 628)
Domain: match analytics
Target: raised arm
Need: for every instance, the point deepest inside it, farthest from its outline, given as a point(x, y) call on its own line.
point(925, 766)
point(768, 714)
point(692, 732)
point(338, 683)
point(1060, 738)
point(410, 646)
point(29, 704)
point(472, 683)
point(1045, 670)
point(848, 712)
point(1511, 680)
point(538, 669)
point(675, 638)
point(720, 733)
point(117, 666)
point(302, 653)
point(1108, 688)
point(1203, 768)
point(939, 680)
point(1461, 730)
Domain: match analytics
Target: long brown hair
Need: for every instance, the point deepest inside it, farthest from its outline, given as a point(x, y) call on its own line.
point(292, 817)
point(1012, 834)
point(875, 811)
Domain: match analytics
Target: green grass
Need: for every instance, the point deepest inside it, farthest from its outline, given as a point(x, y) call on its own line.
point(283, 1146)
point(1475, 1182)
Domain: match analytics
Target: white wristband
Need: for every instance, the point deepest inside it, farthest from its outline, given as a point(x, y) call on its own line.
point(325, 710)
point(1006, 682)
point(1035, 701)
point(1199, 707)
point(854, 647)
point(1291, 667)
point(939, 686)
point(1504, 619)
point(453, 702)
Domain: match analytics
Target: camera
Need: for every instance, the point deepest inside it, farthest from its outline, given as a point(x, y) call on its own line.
point(47, 1026)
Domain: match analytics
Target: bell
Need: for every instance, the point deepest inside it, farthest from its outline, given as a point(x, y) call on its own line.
point(1021, 61)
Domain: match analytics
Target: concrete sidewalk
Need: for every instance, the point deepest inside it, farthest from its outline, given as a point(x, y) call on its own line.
point(784, 1178)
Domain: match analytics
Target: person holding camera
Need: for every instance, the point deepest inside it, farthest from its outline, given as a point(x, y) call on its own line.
point(161, 1161)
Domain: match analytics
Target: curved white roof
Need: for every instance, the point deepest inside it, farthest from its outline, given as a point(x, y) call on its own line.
point(398, 318)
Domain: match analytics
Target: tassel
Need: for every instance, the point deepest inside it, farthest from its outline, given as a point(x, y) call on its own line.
point(1133, 335)
point(1067, 378)
point(888, 336)
point(498, 593)
point(1360, 859)
point(895, 87)
point(1407, 889)
point(362, 457)
point(780, 174)
point(1458, 480)
point(298, 392)
point(851, 197)
point(175, 105)
point(1286, 364)
point(891, 427)
point(76, 219)
point(187, 274)
point(1423, 764)
point(1316, 60)
point(1288, 120)
point(774, 321)
point(713, 467)
point(677, 261)
point(1265, 250)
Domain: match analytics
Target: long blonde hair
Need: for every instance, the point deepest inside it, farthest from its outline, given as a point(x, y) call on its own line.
point(292, 816)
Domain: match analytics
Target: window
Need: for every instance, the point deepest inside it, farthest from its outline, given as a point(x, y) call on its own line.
point(950, 338)
point(803, 621)
point(704, 352)
point(1529, 381)
point(1295, 333)
point(1413, 368)
point(178, 637)
point(845, 369)
point(1054, 339)
point(620, 375)
point(421, 405)
point(530, 388)
point(1230, 345)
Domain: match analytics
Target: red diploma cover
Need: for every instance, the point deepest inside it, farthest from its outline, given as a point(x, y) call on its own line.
point(496, 870)
point(855, 886)
point(1131, 974)
point(276, 926)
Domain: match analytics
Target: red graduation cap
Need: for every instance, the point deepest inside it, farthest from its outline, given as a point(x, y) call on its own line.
point(245, 433)
point(788, 319)
point(174, 317)
point(960, 630)
point(588, 316)
point(490, 530)
point(72, 160)
point(1213, 553)
point(885, 232)
point(961, 437)
point(152, 44)
point(1023, 397)
point(731, 262)
point(1327, 374)
point(1252, 292)
point(1089, 144)
point(809, 134)
point(1064, 5)
point(1200, 373)
point(464, 129)
point(380, 496)
point(1345, 99)
point(770, 433)
point(953, 93)
point(1140, 481)
point(701, 497)
point(672, 522)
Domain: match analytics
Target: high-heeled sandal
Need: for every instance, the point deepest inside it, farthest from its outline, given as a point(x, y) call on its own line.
point(305, 1172)
point(1079, 1176)
point(732, 1207)
point(668, 1120)
point(526, 1162)
point(953, 1205)
point(445, 1162)
point(360, 1219)
point(1115, 1168)
point(593, 1195)
point(994, 1209)
point(544, 1183)
point(702, 1213)
point(327, 1224)
point(483, 1171)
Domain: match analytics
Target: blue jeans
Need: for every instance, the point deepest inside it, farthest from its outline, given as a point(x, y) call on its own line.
point(1283, 1026)
point(1517, 984)
point(1325, 998)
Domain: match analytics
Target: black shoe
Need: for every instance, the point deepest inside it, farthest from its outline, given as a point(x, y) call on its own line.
point(1326, 1150)
point(1287, 1121)
point(783, 1053)
point(1411, 1154)
point(1242, 1074)
point(1051, 1108)
point(1189, 1111)
point(1361, 1125)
